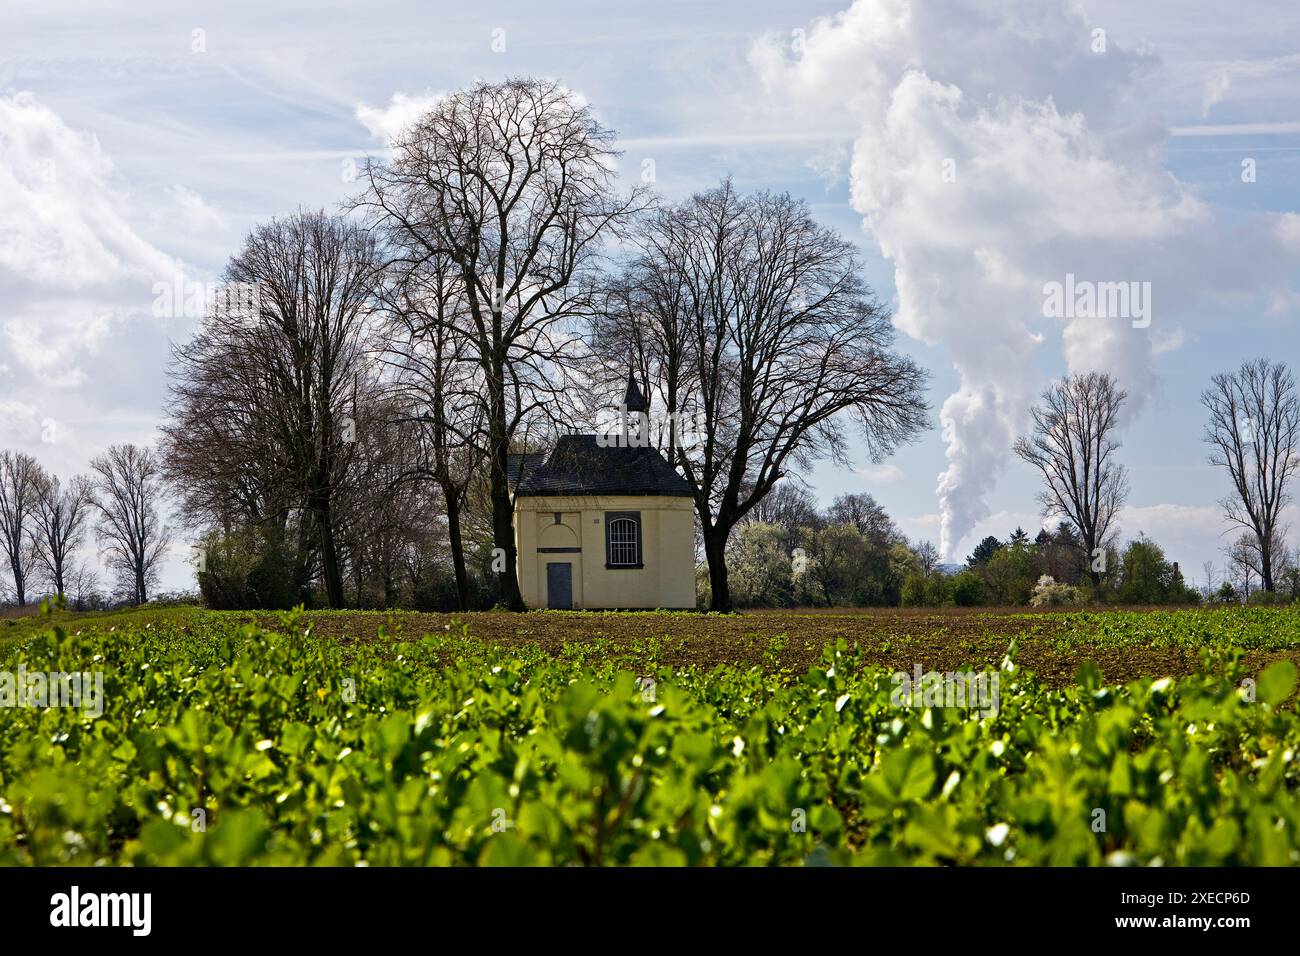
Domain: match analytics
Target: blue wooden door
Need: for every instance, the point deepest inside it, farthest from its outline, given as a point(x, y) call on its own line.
point(559, 585)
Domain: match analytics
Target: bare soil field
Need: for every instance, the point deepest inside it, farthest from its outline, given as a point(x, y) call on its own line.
point(1124, 644)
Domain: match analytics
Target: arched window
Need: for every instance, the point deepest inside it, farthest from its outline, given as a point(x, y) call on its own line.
point(623, 540)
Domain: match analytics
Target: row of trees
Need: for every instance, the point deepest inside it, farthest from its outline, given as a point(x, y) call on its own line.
point(356, 420)
point(341, 432)
point(44, 524)
point(1253, 429)
point(852, 555)
point(787, 552)
point(792, 555)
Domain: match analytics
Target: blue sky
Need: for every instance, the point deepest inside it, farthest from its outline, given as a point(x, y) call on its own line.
point(140, 140)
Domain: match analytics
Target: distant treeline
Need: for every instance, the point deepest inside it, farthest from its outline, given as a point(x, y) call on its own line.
point(852, 555)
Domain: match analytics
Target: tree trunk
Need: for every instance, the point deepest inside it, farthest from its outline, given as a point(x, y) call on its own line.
point(503, 537)
point(302, 560)
point(329, 556)
point(457, 548)
point(715, 546)
point(503, 528)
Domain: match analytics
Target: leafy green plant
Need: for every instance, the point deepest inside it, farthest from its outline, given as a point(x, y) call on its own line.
point(225, 743)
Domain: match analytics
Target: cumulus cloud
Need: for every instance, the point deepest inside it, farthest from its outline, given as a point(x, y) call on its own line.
point(81, 351)
point(71, 264)
point(60, 218)
point(386, 123)
point(18, 420)
point(1002, 147)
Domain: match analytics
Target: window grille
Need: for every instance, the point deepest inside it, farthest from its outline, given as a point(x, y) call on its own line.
point(624, 542)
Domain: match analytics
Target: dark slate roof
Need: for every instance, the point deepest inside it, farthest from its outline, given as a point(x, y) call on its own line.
point(579, 466)
point(519, 465)
point(633, 400)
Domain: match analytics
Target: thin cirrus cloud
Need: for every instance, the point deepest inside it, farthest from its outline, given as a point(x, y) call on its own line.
point(1001, 147)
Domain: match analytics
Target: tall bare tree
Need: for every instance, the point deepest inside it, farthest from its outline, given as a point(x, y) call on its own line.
point(128, 492)
point(864, 513)
point(514, 183)
point(1253, 432)
point(438, 382)
point(1073, 445)
point(759, 330)
point(60, 517)
point(927, 555)
point(1242, 563)
point(265, 418)
point(20, 483)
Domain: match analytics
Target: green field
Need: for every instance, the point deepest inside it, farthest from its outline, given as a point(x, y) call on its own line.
point(346, 739)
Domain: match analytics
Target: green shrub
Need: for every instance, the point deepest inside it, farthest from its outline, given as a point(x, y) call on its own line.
point(1269, 598)
point(915, 590)
point(967, 591)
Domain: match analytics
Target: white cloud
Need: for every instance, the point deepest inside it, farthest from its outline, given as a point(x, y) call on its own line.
point(386, 123)
point(18, 421)
point(1000, 524)
point(1249, 73)
point(61, 218)
point(880, 474)
point(999, 149)
point(72, 267)
point(1216, 88)
point(191, 211)
point(82, 354)
point(1171, 340)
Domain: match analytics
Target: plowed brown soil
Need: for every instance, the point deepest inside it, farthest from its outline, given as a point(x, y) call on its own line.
point(939, 640)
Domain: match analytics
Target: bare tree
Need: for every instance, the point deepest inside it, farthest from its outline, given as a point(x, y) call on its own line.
point(1253, 432)
point(513, 183)
point(759, 329)
point(128, 491)
point(1242, 563)
point(1208, 568)
point(20, 483)
point(790, 505)
point(83, 586)
point(927, 555)
point(866, 514)
point(1073, 445)
point(382, 512)
point(60, 516)
point(265, 417)
point(438, 381)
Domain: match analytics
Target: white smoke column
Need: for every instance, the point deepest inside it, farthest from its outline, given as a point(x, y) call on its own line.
point(1000, 147)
